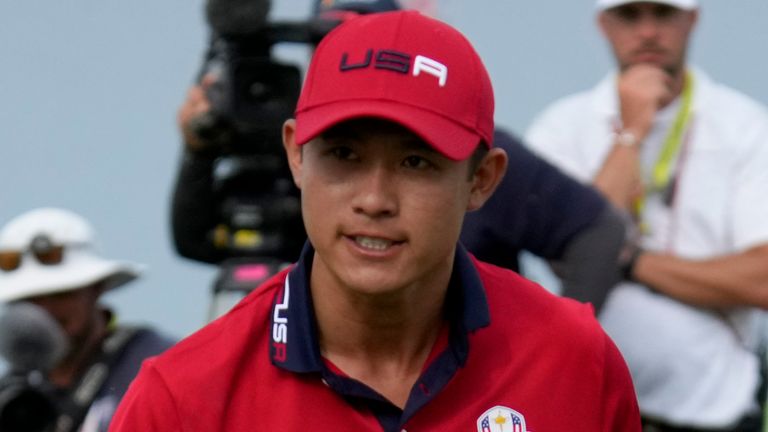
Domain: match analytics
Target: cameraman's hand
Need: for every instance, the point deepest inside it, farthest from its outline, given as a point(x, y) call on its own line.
point(195, 108)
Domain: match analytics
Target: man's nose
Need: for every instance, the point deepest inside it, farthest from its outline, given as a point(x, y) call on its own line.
point(376, 194)
point(648, 26)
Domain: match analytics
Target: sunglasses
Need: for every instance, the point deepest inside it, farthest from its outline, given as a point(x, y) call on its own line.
point(41, 247)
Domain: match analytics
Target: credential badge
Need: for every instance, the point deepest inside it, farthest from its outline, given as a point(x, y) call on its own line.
point(501, 419)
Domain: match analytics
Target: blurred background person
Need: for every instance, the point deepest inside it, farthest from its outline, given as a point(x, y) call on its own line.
point(70, 358)
point(685, 158)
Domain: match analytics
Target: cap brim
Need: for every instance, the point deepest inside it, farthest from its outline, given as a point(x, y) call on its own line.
point(447, 136)
point(680, 4)
point(31, 281)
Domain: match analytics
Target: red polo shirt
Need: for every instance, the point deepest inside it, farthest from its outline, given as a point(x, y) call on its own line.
point(513, 358)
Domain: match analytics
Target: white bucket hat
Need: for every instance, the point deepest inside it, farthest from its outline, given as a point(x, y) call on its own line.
point(680, 4)
point(80, 265)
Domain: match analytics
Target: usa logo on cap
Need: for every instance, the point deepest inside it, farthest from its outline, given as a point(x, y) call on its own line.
point(501, 419)
point(395, 66)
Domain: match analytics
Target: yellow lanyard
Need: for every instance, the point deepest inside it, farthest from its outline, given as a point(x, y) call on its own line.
point(662, 170)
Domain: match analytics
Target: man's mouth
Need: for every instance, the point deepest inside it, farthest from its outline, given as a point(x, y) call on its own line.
point(649, 52)
point(373, 243)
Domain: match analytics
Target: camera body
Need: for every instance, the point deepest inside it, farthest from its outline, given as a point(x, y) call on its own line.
point(258, 205)
point(259, 227)
point(251, 94)
point(27, 402)
point(258, 223)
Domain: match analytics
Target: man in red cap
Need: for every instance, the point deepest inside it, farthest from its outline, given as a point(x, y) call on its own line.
point(386, 323)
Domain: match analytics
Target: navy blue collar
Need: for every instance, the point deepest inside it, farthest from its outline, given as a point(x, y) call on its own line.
point(295, 344)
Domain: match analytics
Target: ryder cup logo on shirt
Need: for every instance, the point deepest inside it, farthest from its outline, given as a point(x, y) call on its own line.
point(501, 419)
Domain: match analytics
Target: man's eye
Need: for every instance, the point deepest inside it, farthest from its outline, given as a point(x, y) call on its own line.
point(417, 162)
point(665, 12)
point(343, 153)
point(629, 15)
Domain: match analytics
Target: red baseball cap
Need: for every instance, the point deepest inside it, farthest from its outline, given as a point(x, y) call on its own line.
point(404, 67)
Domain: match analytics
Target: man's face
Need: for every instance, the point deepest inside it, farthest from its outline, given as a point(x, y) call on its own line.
point(651, 33)
point(74, 311)
point(382, 208)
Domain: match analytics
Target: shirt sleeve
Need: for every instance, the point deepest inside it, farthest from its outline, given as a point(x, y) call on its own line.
point(193, 209)
point(621, 412)
point(148, 406)
point(536, 208)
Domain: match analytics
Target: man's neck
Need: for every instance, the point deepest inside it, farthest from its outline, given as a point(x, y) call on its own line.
point(381, 340)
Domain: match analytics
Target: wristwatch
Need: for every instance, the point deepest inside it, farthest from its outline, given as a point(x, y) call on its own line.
point(626, 138)
point(627, 260)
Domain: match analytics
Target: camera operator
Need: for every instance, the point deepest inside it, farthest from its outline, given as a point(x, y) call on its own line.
point(536, 208)
point(70, 360)
point(234, 203)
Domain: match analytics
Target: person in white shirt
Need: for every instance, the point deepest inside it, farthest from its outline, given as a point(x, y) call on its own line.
point(686, 159)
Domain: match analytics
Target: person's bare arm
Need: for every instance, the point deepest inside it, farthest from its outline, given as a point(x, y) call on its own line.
point(642, 89)
point(619, 177)
point(732, 280)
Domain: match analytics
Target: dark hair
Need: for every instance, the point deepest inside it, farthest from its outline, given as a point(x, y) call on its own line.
point(477, 157)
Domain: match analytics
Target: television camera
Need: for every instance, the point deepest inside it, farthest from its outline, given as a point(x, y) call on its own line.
point(259, 227)
point(32, 343)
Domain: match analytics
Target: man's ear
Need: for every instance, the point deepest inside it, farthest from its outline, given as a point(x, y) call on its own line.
point(487, 177)
point(694, 19)
point(292, 150)
point(600, 20)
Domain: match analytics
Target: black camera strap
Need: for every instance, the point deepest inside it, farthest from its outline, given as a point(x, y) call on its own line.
point(75, 406)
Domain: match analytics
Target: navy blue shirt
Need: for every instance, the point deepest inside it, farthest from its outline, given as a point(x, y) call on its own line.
point(536, 207)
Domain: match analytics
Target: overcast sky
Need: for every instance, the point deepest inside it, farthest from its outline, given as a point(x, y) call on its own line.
point(89, 91)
